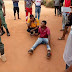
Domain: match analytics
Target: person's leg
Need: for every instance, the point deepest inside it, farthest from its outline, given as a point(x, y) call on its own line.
point(14, 13)
point(55, 10)
point(45, 40)
point(39, 41)
point(36, 32)
point(36, 11)
point(58, 10)
point(30, 11)
point(4, 23)
point(39, 10)
point(18, 12)
point(27, 10)
point(28, 30)
point(3, 32)
point(64, 33)
point(3, 58)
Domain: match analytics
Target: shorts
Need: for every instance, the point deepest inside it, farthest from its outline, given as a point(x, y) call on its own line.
point(28, 30)
point(16, 9)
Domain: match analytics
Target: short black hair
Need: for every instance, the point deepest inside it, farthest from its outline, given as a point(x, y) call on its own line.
point(44, 22)
point(31, 16)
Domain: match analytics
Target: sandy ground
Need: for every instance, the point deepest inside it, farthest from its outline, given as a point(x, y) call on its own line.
point(18, 44)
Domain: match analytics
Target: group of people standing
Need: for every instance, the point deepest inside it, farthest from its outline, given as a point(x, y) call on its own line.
point(34, 27)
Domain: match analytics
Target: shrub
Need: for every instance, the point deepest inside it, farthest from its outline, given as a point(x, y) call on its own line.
point(50, 4)
point(44, 3)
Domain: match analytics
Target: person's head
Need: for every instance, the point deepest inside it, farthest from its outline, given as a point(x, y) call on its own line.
point(32, 17)
point(43, 23)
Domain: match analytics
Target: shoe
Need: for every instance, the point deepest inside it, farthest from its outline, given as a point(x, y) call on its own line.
point(3, 58)
point(30, 51)
point(8, 34)
point(49, 54)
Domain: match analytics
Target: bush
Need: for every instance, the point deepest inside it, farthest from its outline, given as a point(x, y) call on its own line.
point(50, 4)
point(44, 3)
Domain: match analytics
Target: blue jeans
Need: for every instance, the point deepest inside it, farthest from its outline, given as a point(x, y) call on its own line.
point(41, 41)
point(37, 11)
point(64, 19)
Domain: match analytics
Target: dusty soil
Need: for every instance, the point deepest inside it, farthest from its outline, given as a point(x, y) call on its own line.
point(18, 44)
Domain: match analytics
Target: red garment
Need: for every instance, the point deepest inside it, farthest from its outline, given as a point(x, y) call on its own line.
point(28, 10)
point(67, 3)
point(44, 33)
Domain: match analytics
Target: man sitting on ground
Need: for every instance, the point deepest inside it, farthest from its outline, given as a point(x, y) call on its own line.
point(43, 39)
point(33, 25)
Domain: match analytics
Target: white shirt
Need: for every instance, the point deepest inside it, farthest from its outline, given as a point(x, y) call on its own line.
point(38, 2)
point(68, 50)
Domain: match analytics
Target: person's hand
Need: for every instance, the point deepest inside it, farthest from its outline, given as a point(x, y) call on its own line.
point(25, 10)
point(31, 30)
point(4, 14)
point(0, 31)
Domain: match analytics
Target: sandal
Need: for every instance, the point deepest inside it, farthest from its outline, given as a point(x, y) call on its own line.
point(60, 38)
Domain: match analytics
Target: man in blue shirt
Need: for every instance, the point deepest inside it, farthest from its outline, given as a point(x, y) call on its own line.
point(15, 8)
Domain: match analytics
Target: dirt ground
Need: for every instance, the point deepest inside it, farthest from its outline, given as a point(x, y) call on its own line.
point(18, 44)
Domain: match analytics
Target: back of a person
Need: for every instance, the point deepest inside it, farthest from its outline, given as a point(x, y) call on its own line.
point(57, 2)
point(67, 3)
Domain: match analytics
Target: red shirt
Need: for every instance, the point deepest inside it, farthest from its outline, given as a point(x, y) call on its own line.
point(67, 3)
point(44, 33)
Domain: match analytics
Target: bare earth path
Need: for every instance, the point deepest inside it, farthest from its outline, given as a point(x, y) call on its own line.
point(18, 44)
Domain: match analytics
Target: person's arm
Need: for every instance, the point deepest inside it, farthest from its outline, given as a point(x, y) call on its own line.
point(0, 25)
point(64, 3)
point(33, 1)
point(49, 39)
point(34, 28)
point(25, 5)
point(3, 6)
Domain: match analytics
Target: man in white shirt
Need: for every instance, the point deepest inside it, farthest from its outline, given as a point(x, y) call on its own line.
point(68, 53)
point(38, 8)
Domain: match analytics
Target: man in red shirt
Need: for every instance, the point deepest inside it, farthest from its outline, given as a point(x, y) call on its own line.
point(43, 39)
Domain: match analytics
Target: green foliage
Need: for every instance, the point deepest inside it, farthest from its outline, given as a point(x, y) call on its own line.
point(50, 4)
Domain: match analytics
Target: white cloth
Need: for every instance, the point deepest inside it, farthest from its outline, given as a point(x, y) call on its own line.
point(38, 2)
point(68, 50)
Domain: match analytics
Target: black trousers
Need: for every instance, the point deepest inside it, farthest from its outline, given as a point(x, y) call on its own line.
point(16, 9)
point(28, 30)
point(56, 7)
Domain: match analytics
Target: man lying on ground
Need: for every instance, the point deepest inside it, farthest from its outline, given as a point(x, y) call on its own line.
point(43, 39)
point(33, 25)
point(69, 23)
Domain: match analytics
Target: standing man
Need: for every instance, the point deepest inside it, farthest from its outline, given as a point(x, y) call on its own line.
point(28, 7)
point(15, 8)
point(38, 8)
point(57, 4)
point(2, 15)
point(65, 15)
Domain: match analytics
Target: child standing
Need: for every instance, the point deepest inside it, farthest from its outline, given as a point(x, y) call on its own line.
point(38, 8)
point(43, 39)
point(28, 7)
point(16, 8)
